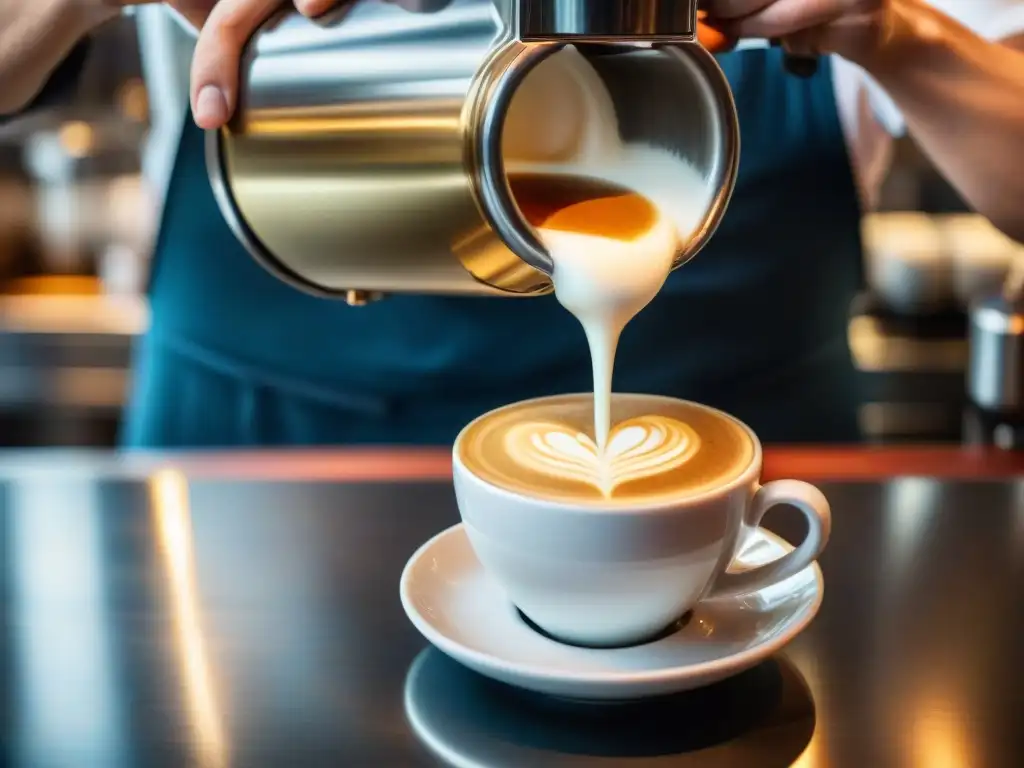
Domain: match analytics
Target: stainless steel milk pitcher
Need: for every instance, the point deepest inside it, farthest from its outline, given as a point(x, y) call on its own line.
point(366, 156)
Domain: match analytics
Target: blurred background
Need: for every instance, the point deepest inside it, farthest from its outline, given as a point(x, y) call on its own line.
point(77, 224)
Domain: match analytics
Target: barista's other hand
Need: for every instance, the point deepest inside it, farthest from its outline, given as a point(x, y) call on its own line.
point(854, 29)
point(226, 26)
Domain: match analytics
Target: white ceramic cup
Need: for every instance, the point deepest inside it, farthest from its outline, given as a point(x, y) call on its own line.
point(606, 575)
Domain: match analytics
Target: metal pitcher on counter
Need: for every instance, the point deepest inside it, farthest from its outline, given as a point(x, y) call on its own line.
point(366, 154)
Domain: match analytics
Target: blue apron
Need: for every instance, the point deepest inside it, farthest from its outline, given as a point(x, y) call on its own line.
point(756, 324)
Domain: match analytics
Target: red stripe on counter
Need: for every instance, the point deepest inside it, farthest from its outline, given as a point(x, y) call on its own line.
point(853, 463)
point(808, 463)
point(378, 465)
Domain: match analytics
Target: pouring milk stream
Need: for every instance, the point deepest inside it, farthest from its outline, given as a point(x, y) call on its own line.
point(611, 257)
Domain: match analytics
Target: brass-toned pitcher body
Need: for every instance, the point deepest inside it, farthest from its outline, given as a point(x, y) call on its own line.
point(366, 154)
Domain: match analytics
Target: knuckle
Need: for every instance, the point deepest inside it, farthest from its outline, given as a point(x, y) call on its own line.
point(212, 46)
point(231, 22)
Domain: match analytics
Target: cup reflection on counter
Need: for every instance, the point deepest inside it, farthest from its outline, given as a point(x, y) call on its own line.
point(470, 721)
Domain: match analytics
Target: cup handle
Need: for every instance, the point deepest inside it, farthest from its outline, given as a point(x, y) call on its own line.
point(815, 508)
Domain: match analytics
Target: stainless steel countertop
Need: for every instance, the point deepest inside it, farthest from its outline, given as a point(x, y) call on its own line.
point(156, 614)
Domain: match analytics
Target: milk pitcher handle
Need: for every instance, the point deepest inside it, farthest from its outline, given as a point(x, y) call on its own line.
point(814, 506)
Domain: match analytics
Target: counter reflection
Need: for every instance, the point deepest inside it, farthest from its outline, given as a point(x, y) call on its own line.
point(67, 707)
point(169, 498)
point(765, 714)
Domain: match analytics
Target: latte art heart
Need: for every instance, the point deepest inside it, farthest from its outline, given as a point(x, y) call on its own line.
point(638, 448)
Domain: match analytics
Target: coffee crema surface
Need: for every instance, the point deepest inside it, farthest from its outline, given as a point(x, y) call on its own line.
point(658, 448)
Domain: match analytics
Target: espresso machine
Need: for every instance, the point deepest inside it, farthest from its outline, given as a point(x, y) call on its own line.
point(366, 154)
point(995, 371)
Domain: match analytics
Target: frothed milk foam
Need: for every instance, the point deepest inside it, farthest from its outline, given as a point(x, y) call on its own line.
point(611, 257)
point(606, 280)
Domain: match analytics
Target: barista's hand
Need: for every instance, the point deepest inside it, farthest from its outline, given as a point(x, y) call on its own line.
point(226, 26)
point(854, 29)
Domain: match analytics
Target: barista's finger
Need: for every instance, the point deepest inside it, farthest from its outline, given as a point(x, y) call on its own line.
point(215, 63)
point(422, 6)
point(734, 9)
point(313, 8)
point(784, 17)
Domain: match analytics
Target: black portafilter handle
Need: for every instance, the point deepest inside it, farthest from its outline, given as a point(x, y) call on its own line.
point(798, 64)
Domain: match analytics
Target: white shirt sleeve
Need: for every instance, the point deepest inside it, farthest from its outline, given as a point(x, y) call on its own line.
point(871, 119)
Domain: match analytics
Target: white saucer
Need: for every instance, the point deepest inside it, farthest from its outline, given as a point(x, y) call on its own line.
point(461, 610)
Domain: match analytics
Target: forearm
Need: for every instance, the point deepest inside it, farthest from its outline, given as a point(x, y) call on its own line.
point(35, 37)
point(963, 101)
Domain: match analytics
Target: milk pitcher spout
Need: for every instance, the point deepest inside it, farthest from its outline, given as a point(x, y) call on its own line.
point(376, 150)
